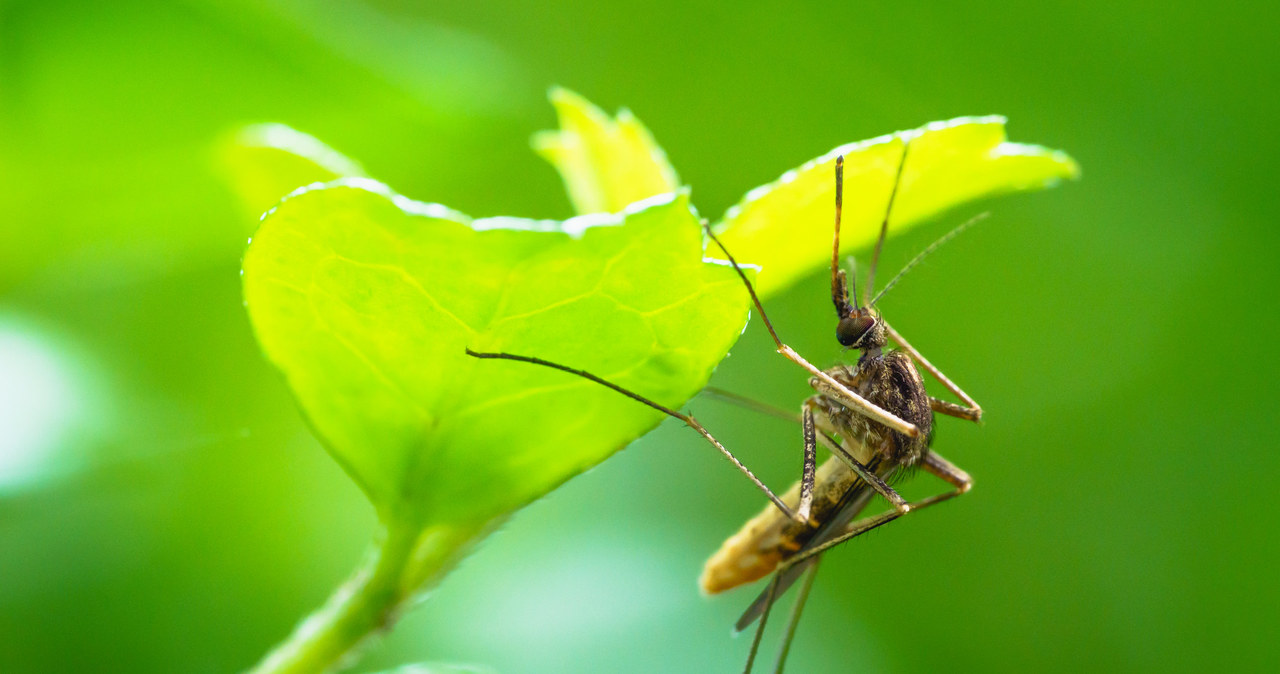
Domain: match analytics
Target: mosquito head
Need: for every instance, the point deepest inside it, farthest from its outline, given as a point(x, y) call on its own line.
point(861, 329)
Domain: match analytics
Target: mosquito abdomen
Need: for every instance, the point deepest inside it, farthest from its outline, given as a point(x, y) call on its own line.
point(770, 537)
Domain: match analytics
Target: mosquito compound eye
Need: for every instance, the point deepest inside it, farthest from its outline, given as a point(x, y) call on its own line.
point(852, 328)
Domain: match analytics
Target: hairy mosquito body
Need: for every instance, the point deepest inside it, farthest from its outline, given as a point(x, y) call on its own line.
point(889, 380)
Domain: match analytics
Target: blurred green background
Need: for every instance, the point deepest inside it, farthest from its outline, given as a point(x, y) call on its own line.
point(163, 508)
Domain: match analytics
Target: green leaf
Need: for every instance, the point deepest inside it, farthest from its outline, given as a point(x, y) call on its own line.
point(264, 162)
point(366, 301)
point(606, 163)
point(785, 227)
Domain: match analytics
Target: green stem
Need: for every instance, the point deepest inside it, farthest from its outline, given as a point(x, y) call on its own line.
point(364, 605)
point(404, 559)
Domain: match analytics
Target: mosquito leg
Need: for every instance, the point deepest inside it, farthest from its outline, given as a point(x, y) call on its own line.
point(686, 418)
point(788, 577)
point(953, 410)
point(825, 433)
point(948, 472)
point(847, 397)
point(933, 464)
point(802, 595)
point(828, 386)
point(861, 470)
point(810, 465)
point(750, 404)
point(805, 419)
point(970, 410)
point(764, 618)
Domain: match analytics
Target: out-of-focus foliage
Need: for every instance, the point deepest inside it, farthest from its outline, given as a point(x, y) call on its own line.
point(440, 668)
point(176, 514)
point(113, 128)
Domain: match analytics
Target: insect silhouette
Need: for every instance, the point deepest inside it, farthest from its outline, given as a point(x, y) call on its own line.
point(875, 418)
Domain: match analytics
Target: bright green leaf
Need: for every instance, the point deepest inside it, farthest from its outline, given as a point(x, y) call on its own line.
point(366, 301)
point(606, 163)
point(785, 227)
point(264, 162)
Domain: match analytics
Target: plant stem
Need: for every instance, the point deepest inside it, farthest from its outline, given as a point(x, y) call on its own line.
point(366, 604)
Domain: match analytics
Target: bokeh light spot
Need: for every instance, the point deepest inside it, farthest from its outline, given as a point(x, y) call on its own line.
point(43, 400)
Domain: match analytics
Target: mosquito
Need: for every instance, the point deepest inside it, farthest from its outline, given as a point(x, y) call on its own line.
point(874, 417)
point(866, 452)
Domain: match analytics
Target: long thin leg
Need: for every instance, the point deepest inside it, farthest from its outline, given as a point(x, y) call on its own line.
point(861, 470)
point(790, 575)
point(751, 404)
point(793, 621)
point(807, 418)
point(824, 436)
point(810, 465)
point(953, 410)
point(933, 464)
point(764, 618)
point(686, 418)
point(777, 412)
point(828, 386)
point(847, 397)
point(970, 410)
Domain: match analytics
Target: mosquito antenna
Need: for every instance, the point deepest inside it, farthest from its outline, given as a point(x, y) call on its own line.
point(853, 271)
point(884, 225)
point(924, 253)
point(840, 292)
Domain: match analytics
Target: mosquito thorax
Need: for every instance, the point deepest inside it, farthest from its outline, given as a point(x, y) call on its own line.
point(861, 329)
